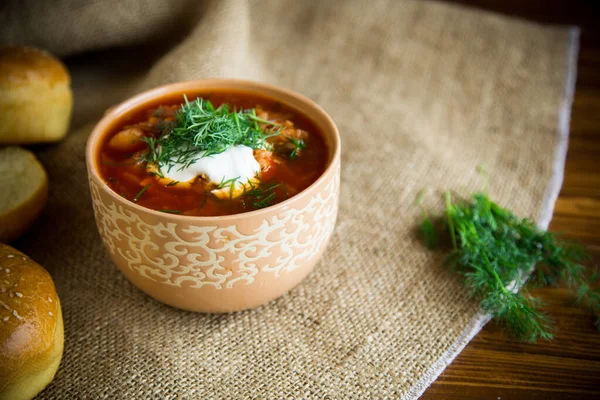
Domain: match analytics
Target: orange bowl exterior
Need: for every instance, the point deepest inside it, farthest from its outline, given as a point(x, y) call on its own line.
point(225, 263)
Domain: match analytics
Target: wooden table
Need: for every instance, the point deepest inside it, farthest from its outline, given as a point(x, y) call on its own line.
point(491, 366)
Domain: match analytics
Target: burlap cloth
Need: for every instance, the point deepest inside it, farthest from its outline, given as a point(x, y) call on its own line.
point(422, 93)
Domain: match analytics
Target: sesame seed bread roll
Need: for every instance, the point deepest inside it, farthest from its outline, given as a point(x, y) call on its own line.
point(24, 191)
point(31, 326)
point(35, 96)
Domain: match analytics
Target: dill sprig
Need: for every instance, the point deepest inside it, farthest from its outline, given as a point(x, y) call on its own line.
point(260, 195)
point(141, 192)
point(298, 144)
point(231, 184)
point(495, 251)
point(201, 130)
point(228, 183)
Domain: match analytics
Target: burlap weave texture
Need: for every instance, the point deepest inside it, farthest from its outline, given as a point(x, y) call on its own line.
point(422, 93)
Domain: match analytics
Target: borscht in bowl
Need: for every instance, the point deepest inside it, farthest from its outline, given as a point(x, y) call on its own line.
point(220, 153)
point(215, 195)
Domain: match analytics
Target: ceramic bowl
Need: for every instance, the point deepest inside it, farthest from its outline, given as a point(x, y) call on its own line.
point(224, 263)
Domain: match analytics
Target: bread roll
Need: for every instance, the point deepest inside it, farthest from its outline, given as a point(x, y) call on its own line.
point(24, 191)
point(31, 326)
point(35, 96)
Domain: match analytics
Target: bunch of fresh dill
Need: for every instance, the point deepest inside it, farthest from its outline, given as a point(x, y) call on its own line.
point(495, 252)
point(201, 130)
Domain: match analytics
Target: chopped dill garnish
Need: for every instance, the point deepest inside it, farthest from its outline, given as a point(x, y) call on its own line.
point(261, 195)
point(299, 145)
point(227, 182)
point(201, 130)
point(171, 211)
point(495, 251)
point(141, 192)
point(264, 201)
point(112, 180)
point(172, 183)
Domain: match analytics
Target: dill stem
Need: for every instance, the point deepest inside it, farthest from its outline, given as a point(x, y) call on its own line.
point(237, 122)
point(253, 112)
point(491, 271)
point(141, 192)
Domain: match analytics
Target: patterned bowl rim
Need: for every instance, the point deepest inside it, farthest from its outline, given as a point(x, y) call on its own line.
point(278, 93)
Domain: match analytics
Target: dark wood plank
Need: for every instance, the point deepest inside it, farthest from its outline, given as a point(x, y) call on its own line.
point(492, 366)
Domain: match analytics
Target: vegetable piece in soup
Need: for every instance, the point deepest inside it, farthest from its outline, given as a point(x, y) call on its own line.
point(218, 154)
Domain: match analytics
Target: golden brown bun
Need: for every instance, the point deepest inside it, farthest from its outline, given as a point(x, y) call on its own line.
point(24, 191)
point(35, 96)
point(31, 326)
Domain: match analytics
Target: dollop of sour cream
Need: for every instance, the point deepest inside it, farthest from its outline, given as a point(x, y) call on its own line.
point(237, 163)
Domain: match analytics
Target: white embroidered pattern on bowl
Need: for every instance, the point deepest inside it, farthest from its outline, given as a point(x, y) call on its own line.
point(199, 263)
